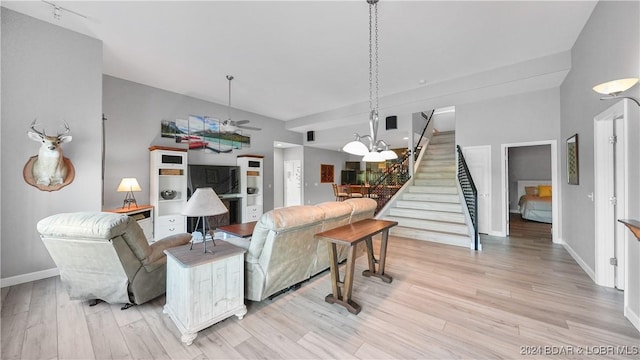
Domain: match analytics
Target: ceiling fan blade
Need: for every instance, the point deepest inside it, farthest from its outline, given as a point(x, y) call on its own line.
point(240, 122)
point(248, 128)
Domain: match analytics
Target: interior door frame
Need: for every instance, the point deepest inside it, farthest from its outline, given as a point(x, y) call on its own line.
point(556, 225)
point(604, 272)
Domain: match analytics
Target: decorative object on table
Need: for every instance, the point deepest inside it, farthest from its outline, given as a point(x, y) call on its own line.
point(230, 125)
point(326, 173)
point(129, 185)
point(378, 150)
point(614, 89)
point(572, 160)
point(168, 194)
point(204, 202)
point(49, 170)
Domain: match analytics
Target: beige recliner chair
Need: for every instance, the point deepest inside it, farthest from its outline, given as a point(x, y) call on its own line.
point(106, 256)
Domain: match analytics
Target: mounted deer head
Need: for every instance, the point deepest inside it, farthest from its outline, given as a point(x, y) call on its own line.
point(49, 168)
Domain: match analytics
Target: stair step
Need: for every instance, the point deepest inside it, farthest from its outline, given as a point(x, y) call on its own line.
point(438, 162)
point(440, 150)
point(443, 198)
point(436, 182)
point(434, 236)
point(435, 175)
point(443, 139)
point(439, 156)
point(450, 217)
point(429, 225)
point(433, 189)
point(438, 168)
point(429, 205)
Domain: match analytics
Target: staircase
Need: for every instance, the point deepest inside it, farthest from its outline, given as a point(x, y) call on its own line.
point(431, 208)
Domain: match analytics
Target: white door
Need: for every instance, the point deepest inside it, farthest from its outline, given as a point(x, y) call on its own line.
point(610, 196)
point(478, 160)
point(292, 183)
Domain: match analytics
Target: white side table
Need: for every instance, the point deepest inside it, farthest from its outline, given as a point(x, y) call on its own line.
point(204, 288)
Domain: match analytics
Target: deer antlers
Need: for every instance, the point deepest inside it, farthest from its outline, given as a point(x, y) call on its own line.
point(43, 133)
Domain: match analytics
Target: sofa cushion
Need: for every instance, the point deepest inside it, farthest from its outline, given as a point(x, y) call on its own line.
point(87, 225)
point(282, 219)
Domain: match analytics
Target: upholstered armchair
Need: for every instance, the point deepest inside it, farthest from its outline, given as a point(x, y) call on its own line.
point(105, 256)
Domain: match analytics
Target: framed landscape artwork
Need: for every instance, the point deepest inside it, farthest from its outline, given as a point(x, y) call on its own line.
point(572, 160)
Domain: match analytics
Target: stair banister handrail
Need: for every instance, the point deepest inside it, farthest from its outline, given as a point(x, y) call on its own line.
point(465, 174)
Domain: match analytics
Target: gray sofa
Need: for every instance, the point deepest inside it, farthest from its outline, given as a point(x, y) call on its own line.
point(106, 256)
point(283, 250)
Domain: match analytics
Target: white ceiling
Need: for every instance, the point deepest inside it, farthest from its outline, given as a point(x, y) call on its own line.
point(295, 58)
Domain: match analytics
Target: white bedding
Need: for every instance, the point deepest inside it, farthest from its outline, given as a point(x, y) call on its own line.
point(536, 208)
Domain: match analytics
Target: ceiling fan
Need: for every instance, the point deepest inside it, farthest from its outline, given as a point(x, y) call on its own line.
point(231, 125)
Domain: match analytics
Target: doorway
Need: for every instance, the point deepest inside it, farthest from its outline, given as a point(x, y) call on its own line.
point(611, 194)
point(555, 186)
point(529, 168)
point(292, 183)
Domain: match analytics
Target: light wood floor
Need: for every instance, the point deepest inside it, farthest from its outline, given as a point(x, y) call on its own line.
point(444, 302)
point(520, 227)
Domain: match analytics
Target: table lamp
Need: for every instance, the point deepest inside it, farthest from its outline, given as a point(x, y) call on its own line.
point(129, 185)
point(204, 202)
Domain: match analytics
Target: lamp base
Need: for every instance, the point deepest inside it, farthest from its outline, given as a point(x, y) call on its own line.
point(204, 236)
point(128, 200)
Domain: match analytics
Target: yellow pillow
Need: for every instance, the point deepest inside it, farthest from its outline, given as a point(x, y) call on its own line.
point(544, 190)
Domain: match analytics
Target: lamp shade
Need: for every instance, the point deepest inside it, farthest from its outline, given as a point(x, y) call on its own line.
point(204, 202)
point(389, 154)
point(356, 147)
point(373, 156)
point(128, 184)
point(615, 87)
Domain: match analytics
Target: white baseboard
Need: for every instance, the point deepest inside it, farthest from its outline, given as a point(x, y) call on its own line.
point(578, 259)
point(632, 316)
point(497, 233)
point(21, 279)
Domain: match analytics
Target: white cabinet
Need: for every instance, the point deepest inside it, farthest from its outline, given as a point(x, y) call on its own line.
point(204, 288)
point(251, 186)
point(168, 190)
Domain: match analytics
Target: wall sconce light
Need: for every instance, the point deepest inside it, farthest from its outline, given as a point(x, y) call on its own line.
point(129, 185)
point(614, 88)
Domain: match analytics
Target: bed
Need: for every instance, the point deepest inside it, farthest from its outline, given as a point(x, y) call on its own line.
point(535, 200)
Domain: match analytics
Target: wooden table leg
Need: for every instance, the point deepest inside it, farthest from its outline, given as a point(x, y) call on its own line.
point(379, 273)
point(343, 299)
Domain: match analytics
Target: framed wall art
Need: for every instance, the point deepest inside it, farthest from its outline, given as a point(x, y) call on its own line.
point(572, 160)
point(326, 173)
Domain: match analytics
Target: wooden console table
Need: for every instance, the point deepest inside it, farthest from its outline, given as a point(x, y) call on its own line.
point(243, 230)
point(350, 235)
point(633, 225)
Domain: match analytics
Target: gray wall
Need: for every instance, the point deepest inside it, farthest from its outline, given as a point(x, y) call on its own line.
point(527, 163)
point(513, 119)
point(314, 191)
point(608, 48)
point(54, 75)
point(134, 113)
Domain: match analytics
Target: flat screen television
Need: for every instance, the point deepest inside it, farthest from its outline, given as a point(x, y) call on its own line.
point(224, 180)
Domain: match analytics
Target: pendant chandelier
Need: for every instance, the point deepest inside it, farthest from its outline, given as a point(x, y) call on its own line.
point(377, 150)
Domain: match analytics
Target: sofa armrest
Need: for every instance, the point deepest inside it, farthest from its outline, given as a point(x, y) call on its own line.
point(158, 247)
